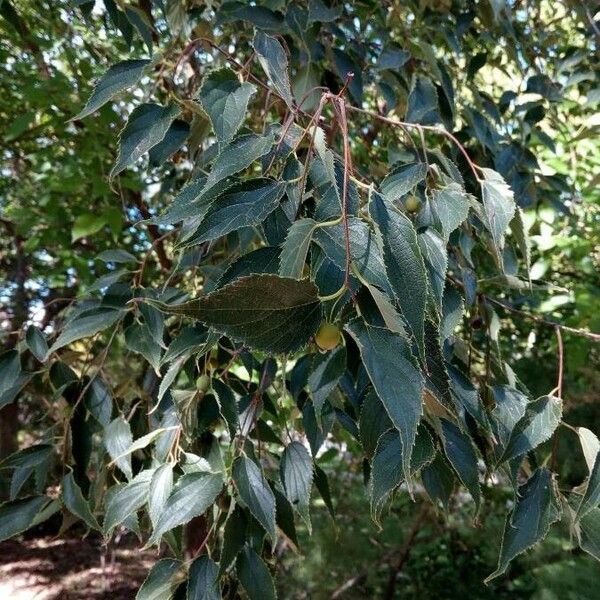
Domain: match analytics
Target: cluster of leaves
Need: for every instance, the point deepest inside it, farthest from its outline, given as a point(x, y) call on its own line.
point(332, 285)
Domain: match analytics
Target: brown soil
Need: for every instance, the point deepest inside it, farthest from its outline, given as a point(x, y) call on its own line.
point(50, 568)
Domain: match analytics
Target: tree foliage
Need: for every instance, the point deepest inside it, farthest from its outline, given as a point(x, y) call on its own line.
point(305, 237)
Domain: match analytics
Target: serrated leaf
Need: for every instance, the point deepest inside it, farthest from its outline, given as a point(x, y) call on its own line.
point(203, 580)
point(144, 441)
point(117, 439)
point(387, 464)
point(138, 338)
point(126, 500)
point(402, 180)
point(344, 65)
point(27, 458)
point(422, 105)
point(98, 401)
point(589, 533)
point(273, 60)
point(225, 100)
point(438, 481)
point(450, 206)
point(295, 248)
point(536, 509)
point(146, 127)
point(76, 503)
point(296, 475)
point(174, 139)
point(322, 485)
point(373, 422)
point(12, 378)
point(521, 235)
point(366, 257)
point(433, 249)
point(461, 454)
point(254, 490)
point(537, 425)
point(227, 405)
point(326, 371)
point(591, 496)
point(258, 311)
point(191, 496)
point(86, 324)
point(234, 537)
point(245, 204)
point(590, 445)
point(159, 490)
point(236, 156)
point(36, 342)
point(162, 581)
point(510, 407)
point(254, 576)
point(19, 515)
point(404, 265)
point(396, 379)
point(118, 78)
point(498, 206)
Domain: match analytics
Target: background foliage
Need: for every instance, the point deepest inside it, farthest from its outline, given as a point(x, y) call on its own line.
point(228, 140)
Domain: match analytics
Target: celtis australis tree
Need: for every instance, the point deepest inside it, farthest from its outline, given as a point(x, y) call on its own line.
point(333, 235)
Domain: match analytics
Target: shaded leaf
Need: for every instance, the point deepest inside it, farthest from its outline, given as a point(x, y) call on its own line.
point(295, 248)
point(19, 515)
point(76, 503)
point(117, 440)
point(273, 60)
point(402, 180)
point(296, 475)
point(203, 580)
point(125, 500)
point(162, 581)
point(254, 576)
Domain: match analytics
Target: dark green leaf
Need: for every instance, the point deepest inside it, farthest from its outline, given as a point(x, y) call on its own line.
point(589, 532)
point(19, 515)
point(295, 248)
point(296, 475)
point(273, 60)
point(450, 205)
point(396, 379)
point(327, 369)
point(159, 490)
point(98, 401)
point(263, 260)
point(404, 265)
point(373, 423)
point(203, 580)
point(402, 180)
point(258, 311)
point(254, 576)
point(191, 496)
point(227, 405)
point(76, 503)
point(146, 127)
point(591, 496)
point(225, 100)
point(119, 77)
point(162, 581)
point(254, 490)
point(536, 509)
point(36, 342)
point(125, 500)
point(422, 102)
point(438, 481)
point(117, 440)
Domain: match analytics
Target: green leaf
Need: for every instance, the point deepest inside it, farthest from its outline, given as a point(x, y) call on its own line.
point(234, 537)
point(590, 445)
point(263, 260)
point(402, 180)
point(203, 580)
point(296, 475)
point(225, 100)
point(117, 440)
point(118, 78)
point(238, 155)
point(537, 425)
point(12, 378)
point(19, 515)
point(126, 500)
point(86, 224)
point(285, 517)
point(159, 491)
point(246, 204)
point(27, 458)
point(498, 206)
point(387, 464)
point(591, 496)
point(396, 379)
point(589, 532)
point(254, 490)
point(326, 370)
point(227, 405)
point(76, 503)
point(295, 248)
point(461, 454)
point(273, 60)
point(191, 496)
point(344, 65)
point(536, 509)
point(373, 422)
point(322, 484)
point(86, 324)
point(98, 401)
point(144, 441)
point(438, 481)
point(404, 265)
point(146, 127)
point(138, 338)
point(174, 139)
point(521, 236)
point(258, 311)
point(319, 12)
point(422, 106)
point(511, 405)
point(363, 249)
point(36, 342)
point(450, 206)
point(434, 252)
point(162, 581)
point(254, 576)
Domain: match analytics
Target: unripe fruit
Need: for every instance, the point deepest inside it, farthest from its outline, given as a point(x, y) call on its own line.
point(328, 337)
point(203, 383)
point(412, 204)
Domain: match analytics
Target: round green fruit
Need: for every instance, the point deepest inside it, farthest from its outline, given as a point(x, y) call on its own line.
point(412, 204)
point(203, 383)
point(328, 337)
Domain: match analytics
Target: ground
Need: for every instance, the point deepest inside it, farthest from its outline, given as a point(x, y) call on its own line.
point(49, 568)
